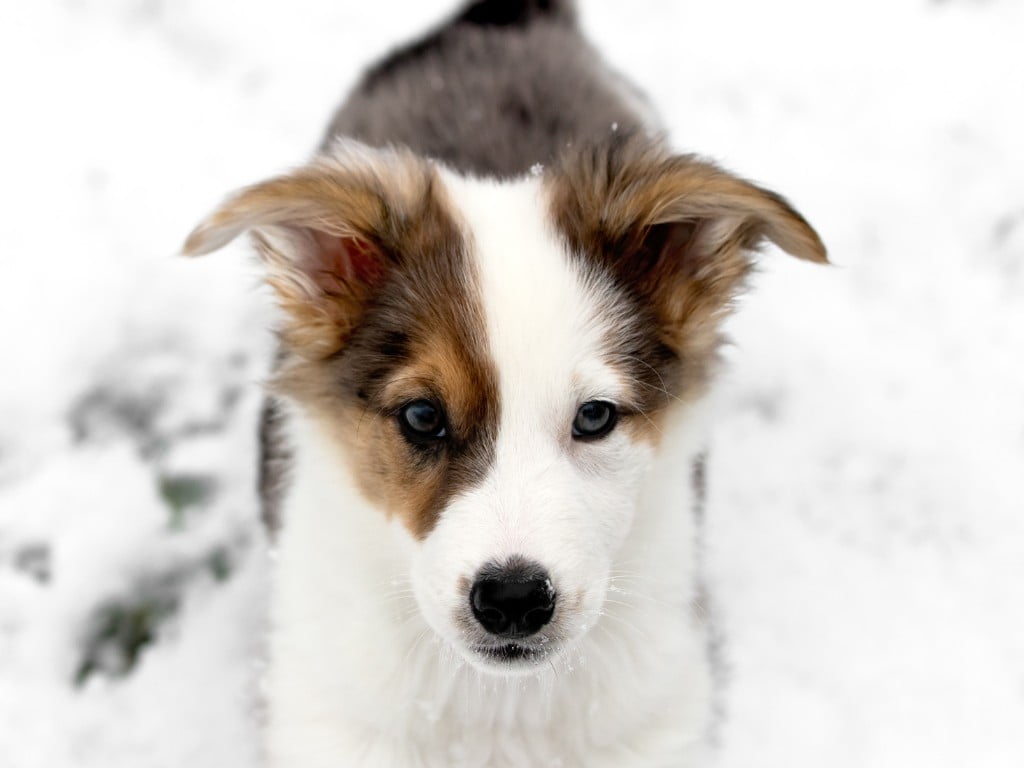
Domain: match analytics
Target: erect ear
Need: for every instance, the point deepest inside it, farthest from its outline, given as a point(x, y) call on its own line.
point(328, 234)
point(675, 230)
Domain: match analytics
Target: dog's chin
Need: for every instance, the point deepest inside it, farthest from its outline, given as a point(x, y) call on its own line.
point(510, 659)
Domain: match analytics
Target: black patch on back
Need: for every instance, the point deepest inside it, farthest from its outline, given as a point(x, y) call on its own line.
point(502, 14)
point(512, 13)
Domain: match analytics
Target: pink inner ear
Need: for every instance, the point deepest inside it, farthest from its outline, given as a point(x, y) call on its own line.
point(347, 260)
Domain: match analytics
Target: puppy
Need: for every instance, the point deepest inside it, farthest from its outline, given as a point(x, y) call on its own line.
point(501, 299)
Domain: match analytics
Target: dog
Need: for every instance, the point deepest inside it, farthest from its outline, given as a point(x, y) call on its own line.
point(501, 297)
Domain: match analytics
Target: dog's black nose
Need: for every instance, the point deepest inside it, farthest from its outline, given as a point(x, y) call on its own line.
point(513, 602)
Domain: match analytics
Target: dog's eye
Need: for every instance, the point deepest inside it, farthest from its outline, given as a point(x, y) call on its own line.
point(593, 419)
point(421, 422)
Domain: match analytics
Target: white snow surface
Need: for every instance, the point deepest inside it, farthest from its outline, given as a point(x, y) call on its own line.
point(865, 542)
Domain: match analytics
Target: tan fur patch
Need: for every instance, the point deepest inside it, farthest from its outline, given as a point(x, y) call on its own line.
point(382, 308)
point(327, 233)
point(674, 233)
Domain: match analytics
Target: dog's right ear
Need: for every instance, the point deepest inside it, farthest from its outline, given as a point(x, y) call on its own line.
point(328, 233)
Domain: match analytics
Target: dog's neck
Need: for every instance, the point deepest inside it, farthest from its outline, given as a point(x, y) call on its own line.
point(350, 647)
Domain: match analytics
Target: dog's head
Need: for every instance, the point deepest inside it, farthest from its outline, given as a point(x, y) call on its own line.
point(496, 359)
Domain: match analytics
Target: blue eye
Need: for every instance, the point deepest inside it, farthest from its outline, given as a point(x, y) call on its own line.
point(422, 422)
point(594, 419)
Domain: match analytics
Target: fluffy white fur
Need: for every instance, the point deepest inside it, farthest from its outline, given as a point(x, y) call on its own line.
point(368, 667)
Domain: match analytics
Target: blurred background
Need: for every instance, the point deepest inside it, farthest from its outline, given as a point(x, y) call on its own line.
point(865, 542)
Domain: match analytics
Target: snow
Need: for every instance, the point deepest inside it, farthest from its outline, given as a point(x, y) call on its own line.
point(865, 527)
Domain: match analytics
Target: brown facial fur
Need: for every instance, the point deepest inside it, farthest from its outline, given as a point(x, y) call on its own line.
point(382, 305)
point(381, 309)
point(674, 234)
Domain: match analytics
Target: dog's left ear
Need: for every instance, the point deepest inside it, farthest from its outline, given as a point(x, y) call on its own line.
point(675, 230)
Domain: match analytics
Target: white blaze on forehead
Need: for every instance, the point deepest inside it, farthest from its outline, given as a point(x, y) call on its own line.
point(547, 322)
point(562, 504)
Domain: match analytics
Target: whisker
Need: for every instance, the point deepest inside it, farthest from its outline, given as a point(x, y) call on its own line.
point(415, 644)
point(664, 387)
point(622, 622)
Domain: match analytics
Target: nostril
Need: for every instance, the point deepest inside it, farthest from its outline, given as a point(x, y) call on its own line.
point(482, 603)
point(512, 603)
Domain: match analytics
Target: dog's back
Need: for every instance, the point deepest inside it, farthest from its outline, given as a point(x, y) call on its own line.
point(501, 87)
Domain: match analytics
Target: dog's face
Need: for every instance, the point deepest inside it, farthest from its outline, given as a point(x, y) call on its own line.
point(495, 359)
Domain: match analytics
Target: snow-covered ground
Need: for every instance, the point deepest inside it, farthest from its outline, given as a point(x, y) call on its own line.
point(866, 523)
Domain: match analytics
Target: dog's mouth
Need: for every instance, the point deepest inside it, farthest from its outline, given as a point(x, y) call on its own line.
point(507, 652)
point(512, 654)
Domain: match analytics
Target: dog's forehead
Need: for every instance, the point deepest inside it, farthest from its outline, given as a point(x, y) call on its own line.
point(548, 319)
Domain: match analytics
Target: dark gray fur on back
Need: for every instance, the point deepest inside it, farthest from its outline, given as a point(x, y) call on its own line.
point(503, 85)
